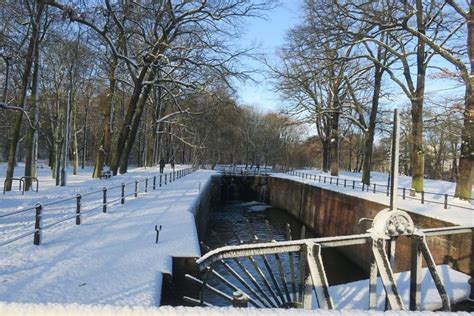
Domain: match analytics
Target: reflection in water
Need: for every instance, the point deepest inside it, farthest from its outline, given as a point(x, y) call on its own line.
point(239, 221)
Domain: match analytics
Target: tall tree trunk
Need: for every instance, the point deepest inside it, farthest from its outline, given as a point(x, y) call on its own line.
point(74, 145)
point(418, 154)
point(156, 126)
point(326, 152)
point(67, 131)
point(31, 141)
point(7, 79)
point(145, 139)
point(335, 141)
point(369, 140)
point(58, 162)
point(134, 128)
point(104, 150)
point(466, 161)
point(123, 149)
point(12, 151)
point(349, 163)
point(84, 138)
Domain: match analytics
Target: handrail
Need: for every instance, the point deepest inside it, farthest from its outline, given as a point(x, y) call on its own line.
point(85, 209)
point(357, 184)
point(277, 247)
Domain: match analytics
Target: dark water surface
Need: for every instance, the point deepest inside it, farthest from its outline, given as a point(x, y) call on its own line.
point(239, 220)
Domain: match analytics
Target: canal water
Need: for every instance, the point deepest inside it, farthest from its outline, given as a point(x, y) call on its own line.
point(237, 221)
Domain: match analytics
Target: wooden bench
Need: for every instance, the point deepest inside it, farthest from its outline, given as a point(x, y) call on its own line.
point(105, 174)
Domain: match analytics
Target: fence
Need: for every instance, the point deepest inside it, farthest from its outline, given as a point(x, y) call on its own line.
point(47, 215)
point(405, 193)
point(242, 170)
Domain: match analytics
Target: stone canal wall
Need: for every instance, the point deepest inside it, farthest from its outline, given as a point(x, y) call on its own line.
point(332, 213)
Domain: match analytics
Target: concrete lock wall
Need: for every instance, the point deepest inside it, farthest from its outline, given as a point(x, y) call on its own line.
point(332, 213)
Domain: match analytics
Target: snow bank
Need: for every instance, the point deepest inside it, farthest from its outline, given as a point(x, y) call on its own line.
point(15, 309)
point(355, 295)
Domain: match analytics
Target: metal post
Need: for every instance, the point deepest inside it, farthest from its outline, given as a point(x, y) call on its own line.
point(375, 188)
point(337, 181)
point(422, 197)
point(330, 180)
point(136, 188)
point(122, 201)
point(165, 178)
point(38, 223)
point(319, 178)
point(353, 184)
point(146, 184)
point(395, 156)
point(78, 209)
point(160, 180)
point(154, 182)
point(445, 201)
point(240, 300)
point(104, 200)
point(403, 194)
point(324, 179)
point(345, 183)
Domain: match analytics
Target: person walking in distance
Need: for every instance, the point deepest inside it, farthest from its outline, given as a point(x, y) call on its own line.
point(172, 164)
point(162, 165)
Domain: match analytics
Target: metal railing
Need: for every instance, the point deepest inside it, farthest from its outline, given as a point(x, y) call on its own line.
point(295, 286)
point(241, 170)
point(75, 207)
point(404, 193)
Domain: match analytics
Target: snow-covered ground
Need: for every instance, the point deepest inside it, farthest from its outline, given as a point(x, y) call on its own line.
point(463, 215)
point(355, 295)
point(110, 258)
point(15, 309)
point(111, 265)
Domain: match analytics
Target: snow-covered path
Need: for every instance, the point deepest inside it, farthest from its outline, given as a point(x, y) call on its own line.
point(111, 258)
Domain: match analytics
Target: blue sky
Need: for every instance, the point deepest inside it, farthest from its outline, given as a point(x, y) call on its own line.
point(266, 34)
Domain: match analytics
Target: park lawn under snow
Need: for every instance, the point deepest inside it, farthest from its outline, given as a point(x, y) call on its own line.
point(458, 212)
point(110, 258)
